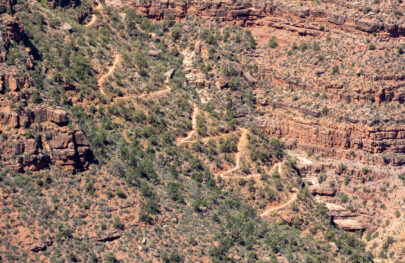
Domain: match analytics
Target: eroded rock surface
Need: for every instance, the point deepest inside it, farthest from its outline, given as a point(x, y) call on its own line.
point(43, 138)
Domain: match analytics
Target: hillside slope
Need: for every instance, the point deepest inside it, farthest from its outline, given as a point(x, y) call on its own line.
point(148, 131)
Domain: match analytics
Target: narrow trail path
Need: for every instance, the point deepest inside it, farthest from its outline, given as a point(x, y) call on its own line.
point(279, 207)
point(193, 132)
point(253, 176)
point(93, 19)
point(246, 177)
point(150, 95)
point(206, 139)
point(117, 60)
point(242, 144)
point(144, 95)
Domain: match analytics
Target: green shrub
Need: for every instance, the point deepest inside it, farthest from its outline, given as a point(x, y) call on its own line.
point(173, 190)
point(110, 258)
point(273, 42)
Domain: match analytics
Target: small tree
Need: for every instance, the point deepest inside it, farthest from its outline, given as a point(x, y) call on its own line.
point(273, 42)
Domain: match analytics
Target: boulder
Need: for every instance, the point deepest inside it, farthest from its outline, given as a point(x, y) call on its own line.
point(80, 139)
point(57, 116)
point(169, 74)
point(249, 78)
point(60, 141)
point(41, 247)
point(154, 50)
point(66, 27)
point(338, 19)
point(40, 115)
point(107, 237)
point(368, 26)
point(349, 224)
point(12, 84)
point(322, 190)
point(31, 146)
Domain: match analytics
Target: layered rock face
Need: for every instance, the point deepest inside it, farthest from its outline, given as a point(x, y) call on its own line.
point(323, 137)
point(253, 13)
point(43, 138)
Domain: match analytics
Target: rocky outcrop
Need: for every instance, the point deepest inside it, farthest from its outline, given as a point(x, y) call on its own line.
point(107, 237)
point(338, 19)
point(368, 26)
point(248, 13)
point(346, 219)
point(350, 224)
point(322, 190)
point(13, 28)
point(33, 149)
point(372, 140)
point(41, 247)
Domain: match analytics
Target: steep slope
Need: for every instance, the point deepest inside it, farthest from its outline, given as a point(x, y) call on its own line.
point(144, 131)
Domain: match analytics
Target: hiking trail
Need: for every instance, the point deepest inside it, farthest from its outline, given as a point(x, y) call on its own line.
point(196, 111)
point(242, 144)
point(93, 19)
point(279, 207)
point(117, 60)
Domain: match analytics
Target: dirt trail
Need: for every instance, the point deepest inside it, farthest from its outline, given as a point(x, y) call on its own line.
point(93, 19)
point(194, 125)
point(147, 95)
point(206, 139)
point(246, 177)
point(155, 93)
point(253, 176)
point(279, 207)
point(144, 95)
point(117, 60)
point(242, 144)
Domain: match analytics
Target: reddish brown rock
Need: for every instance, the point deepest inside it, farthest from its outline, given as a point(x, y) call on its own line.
point(9, 118)
point(41, 247)
point(80, 139)
point(337, 19)
point(60, 141)
point(14, 29)
point(57, 144)
point(368, 26)
point(372, 140)
point(57, 116)
point(257, 13)
point(12, 84)
point(322, 190)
